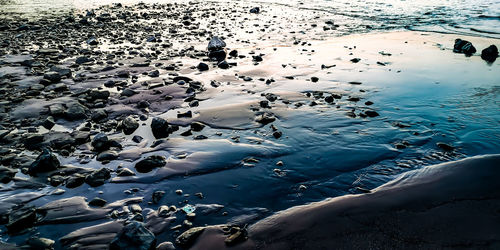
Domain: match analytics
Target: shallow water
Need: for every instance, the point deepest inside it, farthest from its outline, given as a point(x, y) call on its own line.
point(423, 92)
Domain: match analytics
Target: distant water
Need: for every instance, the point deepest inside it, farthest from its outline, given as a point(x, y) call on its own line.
point(473, 17)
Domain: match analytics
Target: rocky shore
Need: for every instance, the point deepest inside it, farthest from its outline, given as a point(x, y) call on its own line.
point(142, 126)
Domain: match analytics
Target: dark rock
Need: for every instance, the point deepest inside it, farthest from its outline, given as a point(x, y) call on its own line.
point(154, 73)
point(465, 47)
point(98, 115)
point(150, 163)
point(197, 126)
point(187, 114)
point(233, 53)
point(129, 125)
point(107, 156)
point(83, 59)
point(223, 65)
point(371, 113)
point(137, 138)
point(355, 60)
point(215, 44)
point(99, 95)
point(98, 177)
point(265, 118)
point(157, 195)
point(48, 123)
point(97, 202)
point(257, 58)
point(92, 41)
point(40, 243)
point(6, 174)
point(75, 180)
point(45, 162)
point(237, 235)
point(277, 134)
point(186, 239)
point(76, 111)
point(128, 92)
point(21, 218)
point(134, 236)
point(100, 142)
point(314, 79)
point(159, 127)
point(490, 54)
point(52, 76)
point(255, 10)
point(61, 70)
point(217, 55)
point(202, 67)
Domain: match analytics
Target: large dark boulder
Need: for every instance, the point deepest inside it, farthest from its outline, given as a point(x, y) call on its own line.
point(98, 177)
point(134, 236)
point(159, 127)
point(100, 142)
point(45, 162)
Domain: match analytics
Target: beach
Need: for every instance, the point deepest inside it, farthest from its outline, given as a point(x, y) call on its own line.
point(229, 124)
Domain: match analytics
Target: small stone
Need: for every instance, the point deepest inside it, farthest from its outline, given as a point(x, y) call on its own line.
point(159, 127)
point(134, 236)
point(75, 180)
point(97, 202)
point(202, 67)
point(465, 47)
point(52, 77)
point(187, 238)
point(314, 79)
point(150, 163)
point(157, 195)
point(490, 54)
point(100, 142)
point(129, 125)
point(98, 177)
point(45, 162)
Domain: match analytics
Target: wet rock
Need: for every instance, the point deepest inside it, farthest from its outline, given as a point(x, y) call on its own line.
point(99, 94)
point(187, 114)
point(92, 41)
point(6, 174)
point(129, 125)
point(371, 113)
point(128, 92)
point(97, 202)
point(233, 53)
point(150, 163)
point(20, 219)
point(134, 236)
point(157, 195)
point(75, 111)
point(186, 239)
point(216, 43)
point(355, 60)
point(98, 177)
point(237, 235)
point(465, 47)
point(125, 172)
point(52, 77)
point(490, 54)
point(100, 142)
point(45, 162)
point(154, 73)
point(255, 10)
point(202, 67)
point(197, 126)
point(314, 79)
point(48, 123)
point(159, 127)
point(265, 118)
point(40, 243)
point(137, 138)
point(223, 65)
point(63, 71)
point(75, 180)
point(98, 115)
point(83, 59)
point(167, 245)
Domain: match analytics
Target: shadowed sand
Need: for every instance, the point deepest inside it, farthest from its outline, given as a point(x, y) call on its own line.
point(453, 204)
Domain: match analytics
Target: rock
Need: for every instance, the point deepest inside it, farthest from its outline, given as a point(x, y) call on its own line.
point(83, 59)
point(40, 243)
point(100, 142)
point(99, 95)
point(314, 79)
point(233, 53)
point(465, 47)
point(45, 162)
point(255, 10)
point(223, 65)
point(76, 111)
point(197, 126)
point(92, 41)
point(150, 163)
point(163, 211)
point(371, 113)
point(265, 118)
point(125, 172)
point(128, 92)
point(187, 114)
point(490, 54)
point(137, 138)
point(167, 245)
point(157, 195)
point(21, 218)
point(154, 73)
point(215, 44)
point(129, 125)
point(98, 177)
point(238, 235)
point(134, 236)
point(6, 174)
point(48, 123)
point(98, 115)
point(75, 180)
point(97, 202)
point(135, 209)
point(202, 67)
point(52, 76)
point(217, 55)
point(355, 60)
point(186, 239)
point(159, 127)
point(63, 71)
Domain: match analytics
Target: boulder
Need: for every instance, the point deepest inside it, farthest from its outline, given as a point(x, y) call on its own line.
point(45, 162)
point(134, 236)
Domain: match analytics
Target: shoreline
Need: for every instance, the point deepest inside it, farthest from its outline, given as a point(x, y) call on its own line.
point(136, 121)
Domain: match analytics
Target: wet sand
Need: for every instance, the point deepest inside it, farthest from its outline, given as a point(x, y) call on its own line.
point(136, 129)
